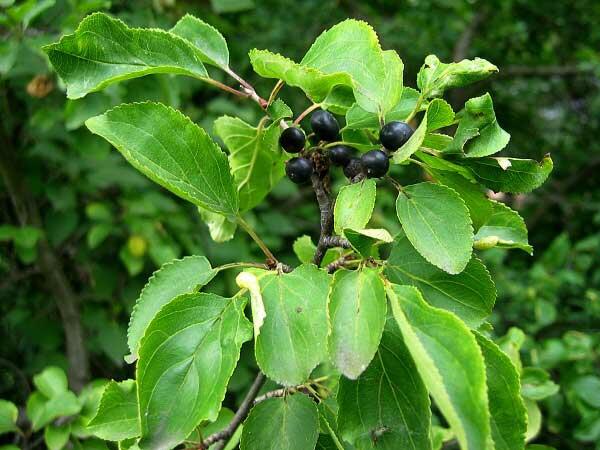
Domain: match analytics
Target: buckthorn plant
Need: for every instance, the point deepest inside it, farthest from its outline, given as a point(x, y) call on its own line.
point(372, 340)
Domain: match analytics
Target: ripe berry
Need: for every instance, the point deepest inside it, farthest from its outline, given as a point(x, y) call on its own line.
point(340, 155)
point(394, 135)
point(299, 170)
point(292, 140)
point(325, 126)
point(353, 168)
point(376, 163)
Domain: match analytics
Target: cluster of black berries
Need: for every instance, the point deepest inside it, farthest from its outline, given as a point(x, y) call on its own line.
point(372, 164)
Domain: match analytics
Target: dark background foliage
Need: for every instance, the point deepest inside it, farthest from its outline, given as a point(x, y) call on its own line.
point(81, 231)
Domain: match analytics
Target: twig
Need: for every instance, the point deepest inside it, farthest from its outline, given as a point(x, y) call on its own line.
point(223, 436)
point(275, 91)
point(248, 89)
point(322, 191)
point(280, 393)
point(339, 263)
point(336, 241)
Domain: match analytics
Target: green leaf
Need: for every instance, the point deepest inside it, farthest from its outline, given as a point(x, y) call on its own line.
point(56, 437)
point(304, 248)
point(393, 82)
point(470, 294)
point(478, 133)
point(357, 311)
point(9, 50)
point(436, 141)
point(51, 382)
point(534, 419)
point(172, 279)
point(186, 358)
point(315, 84)
point(117, 416)
point(352, 47)
point(449, 362)
point(480, 207)
point(27, 11)
point(439, 115)
point(354, 205)
point(536, 384)
point(506, 227)
point(435, 77)
point(172, 151)
point(279, 110)
point(292, 339)
point(437, 223)
point(587, 388)
point(206, 38)
point(387, 407)
point(364, 240)
point(508, 418)
point(41, 410)
point(357, 118)
point(98, 233)
point(221, 229)
point(439, 164)
point(511, 175)
point(8, 417)
point(104, 50)
point(284, 423)
point(255, 158)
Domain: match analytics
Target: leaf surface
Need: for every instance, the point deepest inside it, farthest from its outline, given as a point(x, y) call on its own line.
point(437, 223)
point(117, 416)
point(470, 294)
point(284, 423)
point(172, 279)
point(354, 205)
point(186, 358)
point(104, 50)
point(450, 363)
point(172, 151)
point(388, 400)
point(357, 311)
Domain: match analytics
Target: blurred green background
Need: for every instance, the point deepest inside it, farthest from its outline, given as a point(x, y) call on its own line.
point(83, 225)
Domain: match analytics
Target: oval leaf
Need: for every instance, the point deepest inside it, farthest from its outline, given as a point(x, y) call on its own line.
point(437, 223)
point(117, 415)
point(206, 38)
point(104, 50)
point(285, 423)
point(354, 205)
point(449, 362)
point(186, 358)
point(172, 151)
point(470, 294)
point(293, 336)
point(172, 279)
point(357, 310)
point(387, 407)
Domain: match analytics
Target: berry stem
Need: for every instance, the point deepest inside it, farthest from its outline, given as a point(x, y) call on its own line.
point(236, 265)
point(306, 112)
point(271, 260)
point(275, 91)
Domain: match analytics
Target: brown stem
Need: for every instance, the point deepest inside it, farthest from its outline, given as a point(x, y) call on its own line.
point(49, 264)
point(271, 259)
point(223, 436)
point(322, 190)
point(336, 241)
point(338, 263)
point(306, 112)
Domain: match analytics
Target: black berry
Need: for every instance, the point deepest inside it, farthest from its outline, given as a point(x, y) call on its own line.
point(292, 140)
point(340, 155)
point(325, 126)
point(353, 168)
point(299, 170)
point(394, 135)
point(376, 163)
